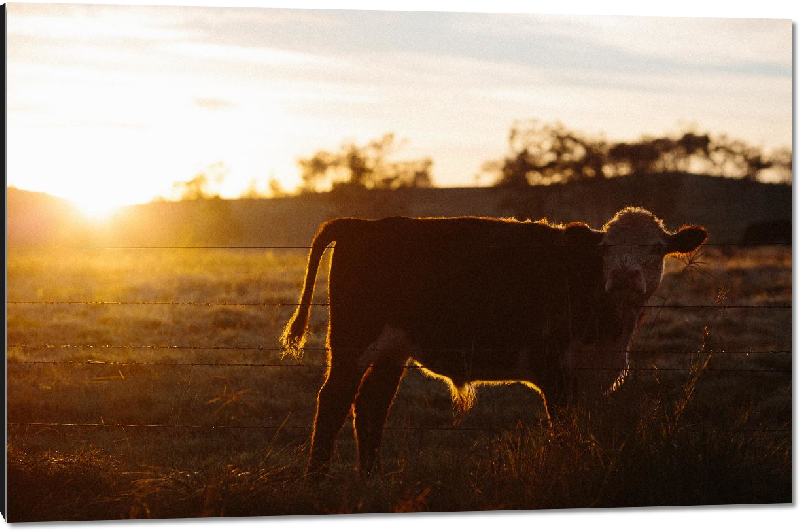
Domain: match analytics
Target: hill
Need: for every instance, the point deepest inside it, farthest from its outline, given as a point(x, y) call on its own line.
point(40, 219)
point(727, 207)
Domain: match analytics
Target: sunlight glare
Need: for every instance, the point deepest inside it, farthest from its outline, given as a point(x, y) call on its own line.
point(96, 209)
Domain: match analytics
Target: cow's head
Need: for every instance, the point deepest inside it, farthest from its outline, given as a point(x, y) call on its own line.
point(634, 245)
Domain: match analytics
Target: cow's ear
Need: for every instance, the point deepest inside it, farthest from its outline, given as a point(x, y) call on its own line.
point(686, 240)
point(577, 233)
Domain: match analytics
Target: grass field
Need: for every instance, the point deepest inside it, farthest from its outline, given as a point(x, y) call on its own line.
point(198, 415)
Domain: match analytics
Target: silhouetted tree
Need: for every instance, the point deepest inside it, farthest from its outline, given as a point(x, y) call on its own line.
point(755, 162)
point(692, 145)
point(543, 153)
point(275, 188)
point(638, 158)
point(365, 166)
point(782, 164)
point(407, 174)
point(198, 186)
point(657, 154)
point(512, 171)
point(735, 158)
point(316, 169)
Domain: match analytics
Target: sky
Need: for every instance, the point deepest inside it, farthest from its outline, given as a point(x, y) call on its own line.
point(112, 104)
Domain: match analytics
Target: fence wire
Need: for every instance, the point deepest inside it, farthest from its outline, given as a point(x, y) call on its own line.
point(277, 302)
point(221, 427)
point(309, 247)
point(284, 302)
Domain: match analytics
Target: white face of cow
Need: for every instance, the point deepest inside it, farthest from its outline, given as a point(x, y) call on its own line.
point(634, 246)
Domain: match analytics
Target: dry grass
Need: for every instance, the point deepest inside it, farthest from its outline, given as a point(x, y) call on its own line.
point(670, 437)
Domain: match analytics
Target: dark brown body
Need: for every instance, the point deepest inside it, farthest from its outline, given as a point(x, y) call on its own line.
point(471, 300)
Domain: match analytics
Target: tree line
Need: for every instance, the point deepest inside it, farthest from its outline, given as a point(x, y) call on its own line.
point(546, 153)
point(538, 153)
point(364, 166)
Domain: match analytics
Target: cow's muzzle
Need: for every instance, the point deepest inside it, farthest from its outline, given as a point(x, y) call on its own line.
point(626, 281)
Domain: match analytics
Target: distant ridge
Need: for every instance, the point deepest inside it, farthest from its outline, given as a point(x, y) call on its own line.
point(38, 218)
point(727, 207)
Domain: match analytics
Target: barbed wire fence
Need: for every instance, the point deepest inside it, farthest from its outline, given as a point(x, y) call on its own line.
point(292, 363)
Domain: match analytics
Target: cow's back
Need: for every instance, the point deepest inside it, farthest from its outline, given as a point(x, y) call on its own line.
point(474, 295)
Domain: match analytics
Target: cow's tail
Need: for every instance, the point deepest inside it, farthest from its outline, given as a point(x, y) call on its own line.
point(293, 337)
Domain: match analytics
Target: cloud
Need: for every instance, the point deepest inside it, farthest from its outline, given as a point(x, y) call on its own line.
point(697, 41)
point(243, 18)
point(92, 22)
point(709, 42)
point(255, 55)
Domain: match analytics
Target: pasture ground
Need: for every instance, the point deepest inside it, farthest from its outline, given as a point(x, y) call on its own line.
point(199, 416)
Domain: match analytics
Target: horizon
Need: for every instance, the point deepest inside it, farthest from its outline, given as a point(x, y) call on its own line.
point(124, 101)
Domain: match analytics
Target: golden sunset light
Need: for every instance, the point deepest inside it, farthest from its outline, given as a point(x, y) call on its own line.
point(96, 209)
point(130, 99)
point(316, 259)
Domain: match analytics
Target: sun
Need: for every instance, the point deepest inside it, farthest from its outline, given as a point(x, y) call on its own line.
point(95, 209)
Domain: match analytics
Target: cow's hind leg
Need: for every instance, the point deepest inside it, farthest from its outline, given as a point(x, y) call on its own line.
point(334, 401)
point(375, 397)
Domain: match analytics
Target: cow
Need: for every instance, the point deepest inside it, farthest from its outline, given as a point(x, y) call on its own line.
point(474, 301)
